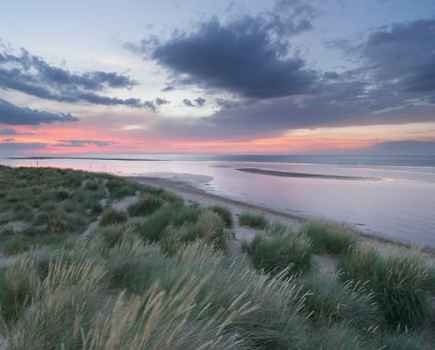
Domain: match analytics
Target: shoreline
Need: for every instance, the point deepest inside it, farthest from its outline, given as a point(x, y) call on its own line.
point(194, 194)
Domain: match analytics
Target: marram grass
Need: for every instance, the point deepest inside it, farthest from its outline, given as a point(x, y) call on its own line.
point(402, 283)
point(162, 280)
point(329, 238)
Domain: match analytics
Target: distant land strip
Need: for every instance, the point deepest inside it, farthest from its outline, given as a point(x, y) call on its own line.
point(304, 175)
point(85, 158)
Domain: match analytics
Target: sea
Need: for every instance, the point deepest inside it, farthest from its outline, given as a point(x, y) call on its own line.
point(391, 197)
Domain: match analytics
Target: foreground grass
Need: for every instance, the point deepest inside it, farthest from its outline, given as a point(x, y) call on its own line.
point(160, 278)
point(403, 284)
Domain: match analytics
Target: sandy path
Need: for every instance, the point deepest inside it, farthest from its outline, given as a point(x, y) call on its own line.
point(120, 205)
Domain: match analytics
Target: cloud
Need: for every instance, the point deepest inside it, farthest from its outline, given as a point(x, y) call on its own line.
point(400, 56)
point(32, 75)
point(161, 101)
point(168, 88)
point(15, 115)
point(404, 54)
point(248, 56)
point(200, 101)
point(393, 81)
point(197, 102)
point(342, 103)
point(96, 81)
point(188, 103)
point(8, 132)
point(11, 148)
point(81, 143)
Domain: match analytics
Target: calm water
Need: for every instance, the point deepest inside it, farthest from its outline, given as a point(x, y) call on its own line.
point(400, 206)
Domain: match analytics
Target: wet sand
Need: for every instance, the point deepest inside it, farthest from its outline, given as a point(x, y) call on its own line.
point(305, 175)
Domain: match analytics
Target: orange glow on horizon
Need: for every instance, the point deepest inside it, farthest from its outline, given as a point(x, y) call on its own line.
point(51, 137)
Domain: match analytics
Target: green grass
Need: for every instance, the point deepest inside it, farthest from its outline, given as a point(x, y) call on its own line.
point(337, 337)
point(17, 283)
point(120, 188)
point(330, 301)
point(404, 342)
point(16, 245)
point(111, 235)
point(153, 227)
point(273, 253)
point(163, 280)
point(252, 220)
point(209, 228)
point(111, 216)
point(146, 205)
point(402, 284)
point(329, 238)
point(224, 213)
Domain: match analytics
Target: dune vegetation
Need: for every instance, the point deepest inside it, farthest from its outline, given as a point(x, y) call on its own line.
point(161, 275)
point(252, 220)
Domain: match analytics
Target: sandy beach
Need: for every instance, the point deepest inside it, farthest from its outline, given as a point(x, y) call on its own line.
point(190, 193)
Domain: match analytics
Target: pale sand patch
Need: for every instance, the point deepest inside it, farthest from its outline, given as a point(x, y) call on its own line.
point(120, 205)
point(3, 343)
point(6, 260)
point(124, 203)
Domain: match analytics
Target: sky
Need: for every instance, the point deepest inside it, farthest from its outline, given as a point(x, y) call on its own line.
point(217, 77)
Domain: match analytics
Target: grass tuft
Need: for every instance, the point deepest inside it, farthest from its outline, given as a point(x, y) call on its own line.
point(273, 253)
point(224, 213)
point(252, 220)
point(330, 301)
point(402, 283)
point(146, 205)
point(329, 238)
point(111, 216)
point(17, 284)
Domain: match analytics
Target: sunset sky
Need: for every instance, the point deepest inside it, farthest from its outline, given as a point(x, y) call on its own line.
point(207, 76)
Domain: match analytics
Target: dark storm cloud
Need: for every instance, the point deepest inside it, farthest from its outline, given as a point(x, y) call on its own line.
point(249, 56)
point(15, 115)
point(188, 103)
point(96, 80)
point(393, 83)
point(33, 76)
point(197, 102)
point(161, 101)
point(81, 143)
point(200, 101)
point(334, 105)
point(400, 56)
point(168, 88)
